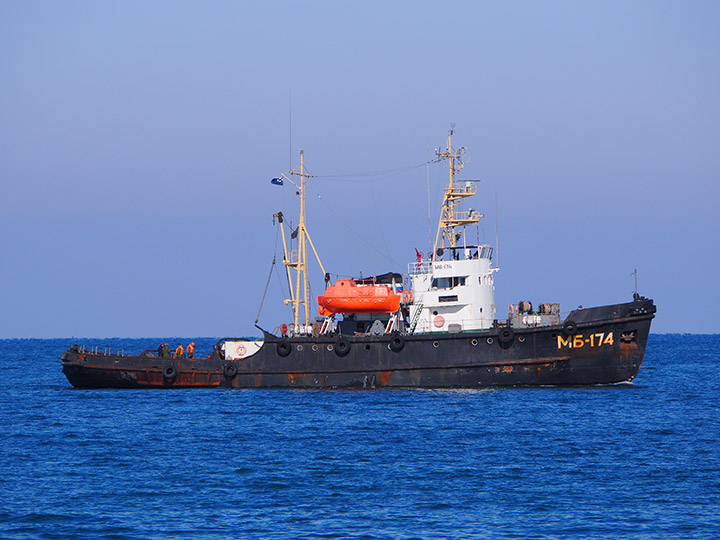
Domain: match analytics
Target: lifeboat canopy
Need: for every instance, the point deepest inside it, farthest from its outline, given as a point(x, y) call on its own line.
point(347, 296)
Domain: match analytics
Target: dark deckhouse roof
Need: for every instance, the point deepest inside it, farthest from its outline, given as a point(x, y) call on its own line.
point(382, 278)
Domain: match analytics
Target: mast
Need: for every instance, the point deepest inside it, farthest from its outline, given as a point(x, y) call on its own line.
point(450, 217)
point(295, 260)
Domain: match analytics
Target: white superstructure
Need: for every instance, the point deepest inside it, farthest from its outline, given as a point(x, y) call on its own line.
point(453, 295)
point(453, 289)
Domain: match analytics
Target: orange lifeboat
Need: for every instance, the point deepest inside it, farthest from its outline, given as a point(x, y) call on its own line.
point(346, 296)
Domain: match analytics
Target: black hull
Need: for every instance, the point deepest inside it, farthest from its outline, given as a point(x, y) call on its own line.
point(602, 345)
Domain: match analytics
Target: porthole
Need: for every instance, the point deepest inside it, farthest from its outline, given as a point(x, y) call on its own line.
point(314, 347)
point(474, 342)
point(490, 341)
point(436, 344)
point(367, 346)
point(521, 339)
point(299, 347)
point(329, 347)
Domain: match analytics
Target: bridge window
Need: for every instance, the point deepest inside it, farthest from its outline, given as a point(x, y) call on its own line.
point(448, 282)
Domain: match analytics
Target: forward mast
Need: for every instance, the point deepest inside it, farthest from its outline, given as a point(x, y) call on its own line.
point(295, 260)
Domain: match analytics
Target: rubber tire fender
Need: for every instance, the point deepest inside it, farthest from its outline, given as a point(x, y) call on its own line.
point(570, 327)
point(506, 335)
point(397, 343)
point(342, 347)
point(284, 348)
point(170, 372)
point(230, 370)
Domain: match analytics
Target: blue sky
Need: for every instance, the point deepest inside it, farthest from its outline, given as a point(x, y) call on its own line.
point(138, 140)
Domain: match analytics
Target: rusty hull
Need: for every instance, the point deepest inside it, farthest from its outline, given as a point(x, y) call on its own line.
point(86, 369)
point(602, 345)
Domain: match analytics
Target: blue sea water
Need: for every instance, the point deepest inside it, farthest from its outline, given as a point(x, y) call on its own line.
point(640, 460)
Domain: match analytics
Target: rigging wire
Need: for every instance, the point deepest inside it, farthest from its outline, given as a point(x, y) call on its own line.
point(387, 173)
point(290, 127)
point(362, 177)
point(267, 283)
point(356, 233)
point(287, 275)
point(282, 291)
point(377, 215)
point(427, 178)
point(262, 300)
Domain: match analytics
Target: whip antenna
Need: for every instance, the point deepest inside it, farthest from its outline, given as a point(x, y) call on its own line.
point(427, 174)
point(497, 247)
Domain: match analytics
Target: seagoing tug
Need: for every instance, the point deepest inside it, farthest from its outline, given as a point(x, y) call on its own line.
point(436, 327)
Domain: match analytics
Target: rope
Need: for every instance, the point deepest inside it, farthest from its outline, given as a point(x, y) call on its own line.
point(266, 289)
point(282, 291)
point(262, 301)
point(356, 233)
point(387, 173)
point(379, 221)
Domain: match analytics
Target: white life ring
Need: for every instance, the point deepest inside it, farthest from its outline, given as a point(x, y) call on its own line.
point(240, 350)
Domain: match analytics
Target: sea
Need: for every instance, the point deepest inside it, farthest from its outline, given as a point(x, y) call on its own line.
point(639, 460)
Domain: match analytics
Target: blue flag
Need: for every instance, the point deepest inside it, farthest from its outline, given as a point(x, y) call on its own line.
point(277, 181)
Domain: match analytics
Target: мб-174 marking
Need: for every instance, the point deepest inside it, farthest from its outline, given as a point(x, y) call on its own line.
point(578, 341)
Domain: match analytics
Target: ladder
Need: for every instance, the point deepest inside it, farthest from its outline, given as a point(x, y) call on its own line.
point(393, 323)
point(326, 325)
point(416, 318)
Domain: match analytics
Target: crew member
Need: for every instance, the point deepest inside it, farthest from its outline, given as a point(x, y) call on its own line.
point(191, 350)
point(179, 352)
point(161, 352)
point(166, 350)
point(283, 329)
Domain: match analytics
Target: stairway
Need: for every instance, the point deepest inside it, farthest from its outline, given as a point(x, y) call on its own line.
point(416, 318)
